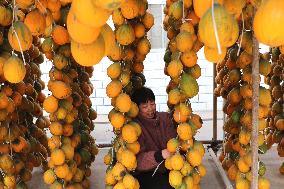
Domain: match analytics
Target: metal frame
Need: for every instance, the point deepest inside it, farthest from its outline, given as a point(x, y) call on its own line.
point(215, 128)
point(220, 169)
point(214, 143)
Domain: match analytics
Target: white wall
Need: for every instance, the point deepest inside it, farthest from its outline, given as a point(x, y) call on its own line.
point(157, 81)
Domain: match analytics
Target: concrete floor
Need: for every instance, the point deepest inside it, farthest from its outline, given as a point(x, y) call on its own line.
point(212, 180)
point(273, 162)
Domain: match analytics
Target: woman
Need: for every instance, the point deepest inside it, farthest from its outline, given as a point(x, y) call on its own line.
point(157, 129)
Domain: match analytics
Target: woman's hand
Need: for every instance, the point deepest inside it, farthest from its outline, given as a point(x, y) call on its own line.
point(166, 154)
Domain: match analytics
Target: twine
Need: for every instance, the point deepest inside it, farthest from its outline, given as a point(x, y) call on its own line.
point(157, 168)
point(14, 31)
point(215, 30)
point(243, 25)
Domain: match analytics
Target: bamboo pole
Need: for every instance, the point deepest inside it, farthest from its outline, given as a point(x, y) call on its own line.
point(255, 103)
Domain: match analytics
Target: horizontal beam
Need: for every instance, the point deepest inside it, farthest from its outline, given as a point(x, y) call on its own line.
point(108, 145)
point(105, 122)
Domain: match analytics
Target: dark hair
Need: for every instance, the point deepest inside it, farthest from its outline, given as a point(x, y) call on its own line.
point(142, 95)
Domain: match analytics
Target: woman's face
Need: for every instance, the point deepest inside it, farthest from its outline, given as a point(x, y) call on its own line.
point(148, 109)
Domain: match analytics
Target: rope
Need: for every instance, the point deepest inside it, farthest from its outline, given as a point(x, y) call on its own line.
point(14, 31)
point(112, 155)
point(157, 168)
point(182, 20)
point(239, 50)
point(215, 30)
point(10, 142)
point(223, 144)
point(179, 113)
point(45, 11)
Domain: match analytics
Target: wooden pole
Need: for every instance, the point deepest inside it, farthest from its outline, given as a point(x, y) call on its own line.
point(255, 100)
